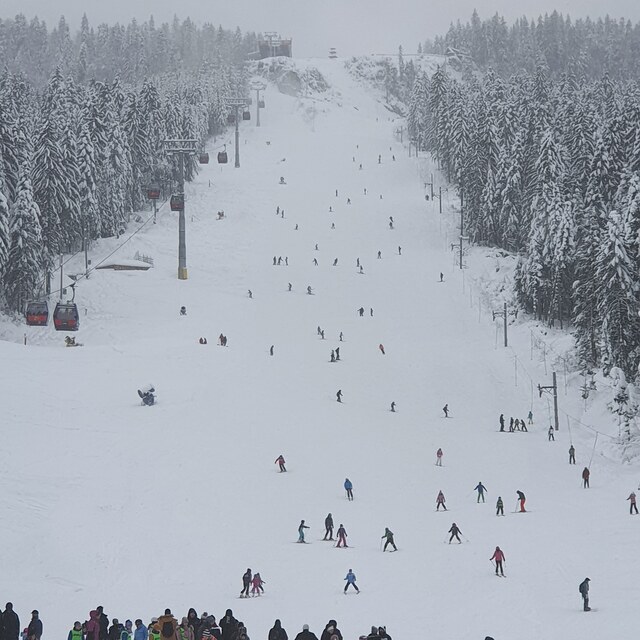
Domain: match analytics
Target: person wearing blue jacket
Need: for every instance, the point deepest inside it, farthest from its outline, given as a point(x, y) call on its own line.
point(480, 488)
point(348, 485)
point(141, 632)
point(351, 581)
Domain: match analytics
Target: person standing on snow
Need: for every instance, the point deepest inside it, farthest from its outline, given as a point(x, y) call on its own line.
point(331, 631)
point(439, 458)
point(246, 582)
point(502, 422)
point(381, 347)
point(530, 417)
point(277, 632)
point(280, 461)
point(348, 487)
point(256, 584)
point(584, 592)
point(522, 500)
point(499, 558)
point(305, 634)
point(388, 534)
point(351, 581)
point(572, 455)
point(302, 526)
point(339, 395)
point(445, 409)
point(551, 434)
point(34, 630)
point(585, 477)
point(454, 531)
point(632, 506)
point(141, 632)
point(328, 527)
point(480, 488)
point(76, 633)
point(168, 625)
point(342, 537)
point(10, 623)
point(499, 507)
point(229, 626)
point(440, 501)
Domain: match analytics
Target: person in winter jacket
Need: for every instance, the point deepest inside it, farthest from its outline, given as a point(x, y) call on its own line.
point(114, 630)
point(141, 632)
point(572, 455)
point(439, 458)
point(214, 628)
point(277, 632)
point(305, 634)
point(351, 581)
point(127, 632)
point(194, 622)
point(522, 500)
point(242, 631)
point(499, 507)
point(382, 632)
point(103, 620)
point(342, 537)
point(348, 486)
point(584, 592)
point(34, 630)
point(498, 556)
point(280, 461)
point(76, 632)
point(92, 627)
point(551, 434)
point(632, 505)
point(374, 633)
point(480, 488)
point(454, 531)
point(256, 584)
point(154, 629)
point(440, 501)
point(10, 623)
point(388, 534)
point(501, 419)
point(328, 526)
point(330, 631)
point(585, 477)
point(246, 581)
point(301, 527)
point(229, 626)
point(168, 626)
point(185, 630)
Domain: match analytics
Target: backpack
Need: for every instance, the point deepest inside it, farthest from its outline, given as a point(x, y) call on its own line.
point(167, 629)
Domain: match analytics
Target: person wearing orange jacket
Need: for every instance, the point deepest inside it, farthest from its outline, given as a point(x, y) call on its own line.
point(168, 626)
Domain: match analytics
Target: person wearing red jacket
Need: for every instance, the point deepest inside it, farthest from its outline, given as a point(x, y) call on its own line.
point(280, 461)
point(498, 556)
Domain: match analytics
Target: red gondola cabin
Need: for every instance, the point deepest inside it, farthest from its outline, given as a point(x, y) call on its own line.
point(177, 202)
point(153, 192)
point(66, 317)
point(37, 314)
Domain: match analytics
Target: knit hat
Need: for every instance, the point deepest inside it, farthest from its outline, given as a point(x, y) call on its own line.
point(305, 627)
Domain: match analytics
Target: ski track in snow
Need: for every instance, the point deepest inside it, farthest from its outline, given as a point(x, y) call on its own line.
point(107, 502)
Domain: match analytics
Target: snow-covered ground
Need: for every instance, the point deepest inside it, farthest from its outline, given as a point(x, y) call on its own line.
point(107, 502)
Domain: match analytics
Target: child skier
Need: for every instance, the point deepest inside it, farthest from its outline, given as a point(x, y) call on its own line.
point(256, 585)
point(499, 507)
point(440, 501)
point(454, 531)
point(351, 581)
point(302, 526)
point(342, 537)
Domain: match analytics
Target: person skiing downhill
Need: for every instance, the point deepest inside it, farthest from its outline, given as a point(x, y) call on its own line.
point(246, 582)
point(280, 461)
point(632, 505)
point(351, 581)
point(381, 347)
point(454, 531)
point(584, 592)
point(439, 458)
point(256, 585)
point(530, 417)
point(585, 477)
point(445, 409)
point(339, 395)
point(480, 488)
point(388, 534)
point(498, 556)
point(342, 537)
point(522, 500)
point(440, 501)
point(499, 507)
point(551, 434)
point(328, 527)
point(501, 422)
point(301, 527)
point(348, 486)
point(572, 455)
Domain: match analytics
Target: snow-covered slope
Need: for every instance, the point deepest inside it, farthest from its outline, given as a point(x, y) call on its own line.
point(107, 502)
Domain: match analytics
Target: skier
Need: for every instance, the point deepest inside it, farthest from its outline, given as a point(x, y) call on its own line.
point(585, 477)
point(280, 261)
point(498, 556)
point(361, 312)
point(280, 461)
point(584, 592)
point(399, 250)
point(391, 225)
point(551, 434)
point(361, 270)
point(348, 486)
point(296, 228)
point(342, 537)
point(499, 507)
point(309, 289)
point(339, 395)
point(454, 531)
point(440, 501)
point(348, 200)
point(328, 527)
point(381, 347)
point(365, 191)
point(530, 417)
point(341, 336)
point(523, 426)
point(393, 407)
point(249, 293)
point(183, 311)
point(337, 354)
point(333, 225)
point(316, 246)
point(371, 311)
point(286, 261)
point(331, 631)
point(256, 585)
point(301, 529)
point(441, 277)
point(271, 350)
point(388, 534)
point(572, 455)
point(322, 334)
point(379, 255)
point(501, 422)
point(357, 262)
point(511, 425)
point(246, 581)
point(335, 262)
point(277, 632)
point(522, 500)
point(632, 506)
point(446, 410)
point(379, 159)
point(148, 395)
point(351, 581)
point(439, 458)
point(333, 355)
point(480, 488)
point(319, 330)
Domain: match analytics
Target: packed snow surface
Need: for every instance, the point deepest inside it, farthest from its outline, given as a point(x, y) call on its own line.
point(105, 501)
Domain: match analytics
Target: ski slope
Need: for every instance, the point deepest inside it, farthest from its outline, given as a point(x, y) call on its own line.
point(107, 502)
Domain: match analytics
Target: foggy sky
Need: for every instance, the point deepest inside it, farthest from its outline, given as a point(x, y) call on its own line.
point(354, 27)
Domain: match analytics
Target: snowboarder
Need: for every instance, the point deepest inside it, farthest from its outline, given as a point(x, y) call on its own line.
point(339, 395)
point(632, 505)
point(585, 477)
point(246, 581)
point(393, 407)
point(454, 531)
point(501, 422)
point(480, 488)
point(572, 455)
point(446, 410)
point(388, 534)
point(148, 395)
point(348, 487)
point(551, 434)
point(271, 350)
point(337, 354)
point(301, 527)
point(498, 556)
point(530, 417)
point(584, 592)
point(440, 501)
point(183, 311)
point(342, 537)
point(439, 458)
point(381, 347)
point(522, 500)
point(256, 585)
point(280, 462)
point(328, 527)
point(351, 581)
point(499, 507)
point(249, 293)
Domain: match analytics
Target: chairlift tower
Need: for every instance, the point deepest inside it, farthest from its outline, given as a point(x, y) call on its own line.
point(181, 148)
point(258, 87)
point(236, 104)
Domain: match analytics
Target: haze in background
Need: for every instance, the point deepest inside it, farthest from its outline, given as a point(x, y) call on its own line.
point(352, 26)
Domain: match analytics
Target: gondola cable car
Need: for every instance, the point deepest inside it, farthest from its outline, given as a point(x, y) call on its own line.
point(177, 202)
point(66, 317)
point(37, 314)
point(222, 156)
